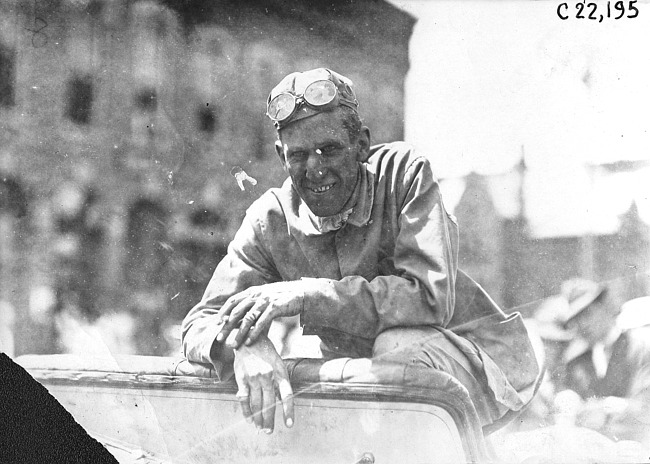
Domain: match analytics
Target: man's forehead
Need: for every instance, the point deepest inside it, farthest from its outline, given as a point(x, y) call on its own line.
point(322, 127)
point(315, 143)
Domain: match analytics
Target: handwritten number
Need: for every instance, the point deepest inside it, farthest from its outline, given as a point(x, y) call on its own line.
point(39, 38)
point(592, 15)
point(620, 6)
point(590, 9)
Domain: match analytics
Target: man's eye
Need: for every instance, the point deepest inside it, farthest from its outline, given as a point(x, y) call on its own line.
point(297, 156)
point(329, 150)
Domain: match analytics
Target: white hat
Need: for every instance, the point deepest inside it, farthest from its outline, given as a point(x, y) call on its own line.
point(634, 313)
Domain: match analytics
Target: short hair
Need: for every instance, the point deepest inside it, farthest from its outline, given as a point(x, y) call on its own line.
point(351, 122)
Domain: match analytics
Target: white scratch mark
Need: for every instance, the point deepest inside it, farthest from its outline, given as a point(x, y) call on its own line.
point(240, 176)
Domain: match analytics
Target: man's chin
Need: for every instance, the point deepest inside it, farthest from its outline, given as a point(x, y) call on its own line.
point(321, 210)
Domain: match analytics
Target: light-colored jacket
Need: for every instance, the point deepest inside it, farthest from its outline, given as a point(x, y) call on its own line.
point(393, 264)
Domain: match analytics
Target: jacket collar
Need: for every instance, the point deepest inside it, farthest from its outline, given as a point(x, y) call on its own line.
point(357, 212)
point(365, 192)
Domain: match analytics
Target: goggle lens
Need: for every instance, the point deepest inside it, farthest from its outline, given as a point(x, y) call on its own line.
point(317, 93)
point(320, 93)
point(281, 107)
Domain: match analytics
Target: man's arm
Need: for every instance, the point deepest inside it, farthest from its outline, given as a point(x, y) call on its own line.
point(420, 288)
point(258, 369)
point(246, 264)
point(417, 287)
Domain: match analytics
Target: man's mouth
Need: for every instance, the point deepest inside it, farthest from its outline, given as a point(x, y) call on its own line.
point(322, 189)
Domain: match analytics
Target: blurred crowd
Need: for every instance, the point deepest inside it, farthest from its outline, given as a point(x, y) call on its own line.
point(80, 297)
point(596, 354)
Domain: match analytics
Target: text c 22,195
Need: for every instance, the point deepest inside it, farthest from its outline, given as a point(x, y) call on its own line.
point(592, 11)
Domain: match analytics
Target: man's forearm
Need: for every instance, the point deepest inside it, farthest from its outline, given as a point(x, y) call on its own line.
point(199, 332)
point(360, 308)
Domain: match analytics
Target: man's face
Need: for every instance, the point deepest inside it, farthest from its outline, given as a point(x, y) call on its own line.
point(322, 160)
point(594, 323)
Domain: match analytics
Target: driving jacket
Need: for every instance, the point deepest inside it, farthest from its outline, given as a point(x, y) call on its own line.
point(392, 264)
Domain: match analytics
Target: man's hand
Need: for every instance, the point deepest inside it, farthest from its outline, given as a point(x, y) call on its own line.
point(596, 413)
point(256, 307)
point(261, 375)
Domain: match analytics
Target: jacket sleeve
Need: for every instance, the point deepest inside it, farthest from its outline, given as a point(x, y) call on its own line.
point(418, 290)
point(245, 265)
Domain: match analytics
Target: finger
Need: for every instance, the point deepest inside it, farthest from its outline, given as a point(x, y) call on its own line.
point(230, 341)
point(249, 321)
point(262, 325)
point(224, 316)
point(243, 396)
point(268, 412)
point(233, 321)
point(256, 404)
point(241, 310)
point(286, 396)
point(228, 306)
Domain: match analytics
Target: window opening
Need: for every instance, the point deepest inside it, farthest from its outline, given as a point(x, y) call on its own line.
point(7, 76)
point(80, 99)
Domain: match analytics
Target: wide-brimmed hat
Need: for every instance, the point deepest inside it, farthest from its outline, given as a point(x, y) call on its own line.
point(548, 321)
point(634, 313)
point(580, 294)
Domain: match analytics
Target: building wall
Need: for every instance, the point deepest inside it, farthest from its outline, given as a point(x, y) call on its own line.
point(519, 270)
point(121, 121)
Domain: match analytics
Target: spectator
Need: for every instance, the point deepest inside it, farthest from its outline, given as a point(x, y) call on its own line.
point(607, 363)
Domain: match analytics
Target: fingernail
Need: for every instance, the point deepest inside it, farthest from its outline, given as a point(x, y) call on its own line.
point(219, 337)
point(289, 422)
point(268, 431)
point(248, 341)
point(249, 419)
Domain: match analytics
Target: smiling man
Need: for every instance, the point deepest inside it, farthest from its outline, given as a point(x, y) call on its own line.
point(359, 246)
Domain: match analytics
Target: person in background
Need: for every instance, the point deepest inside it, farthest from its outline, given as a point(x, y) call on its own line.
point(590, 316)
point(607, 364)
point(358, 247)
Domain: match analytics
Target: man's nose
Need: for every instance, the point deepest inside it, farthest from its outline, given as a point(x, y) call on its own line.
point(315, 166)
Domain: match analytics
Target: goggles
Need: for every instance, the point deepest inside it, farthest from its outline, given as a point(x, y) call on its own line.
point(320, 95)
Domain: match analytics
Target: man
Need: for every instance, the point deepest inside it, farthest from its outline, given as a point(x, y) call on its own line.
point(590, 315)
point(608, 361)
point(358, 245)
point(610, 350)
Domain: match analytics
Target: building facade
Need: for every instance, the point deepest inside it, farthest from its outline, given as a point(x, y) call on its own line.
point(121, 125)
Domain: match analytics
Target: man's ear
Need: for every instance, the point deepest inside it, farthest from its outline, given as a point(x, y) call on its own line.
point(363, 142)
point(280, 151)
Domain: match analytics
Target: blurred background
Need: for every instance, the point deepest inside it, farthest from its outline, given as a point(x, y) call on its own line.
point(121, 122)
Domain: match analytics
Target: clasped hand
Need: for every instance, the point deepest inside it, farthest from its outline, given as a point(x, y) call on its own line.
point(261, 376)
point(255, 308)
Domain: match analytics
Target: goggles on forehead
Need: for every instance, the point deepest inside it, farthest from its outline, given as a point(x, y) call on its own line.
point(319, 95)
